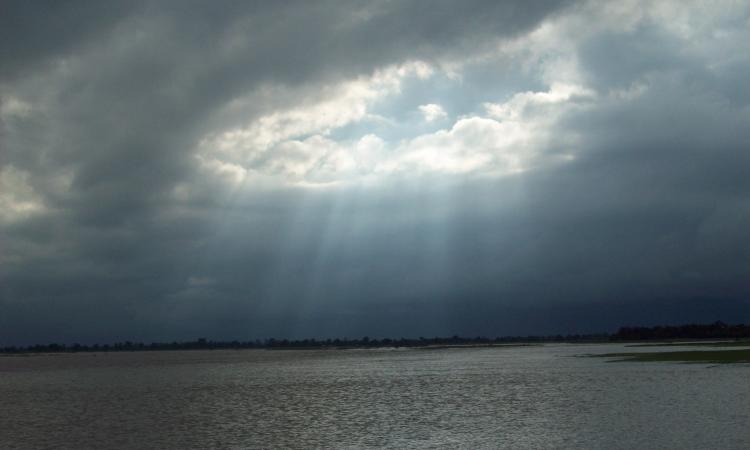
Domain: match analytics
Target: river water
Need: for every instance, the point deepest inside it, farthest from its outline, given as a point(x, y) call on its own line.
point(514, 397)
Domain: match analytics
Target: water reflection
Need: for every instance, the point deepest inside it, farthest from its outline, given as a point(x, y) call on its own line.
point(531, 397)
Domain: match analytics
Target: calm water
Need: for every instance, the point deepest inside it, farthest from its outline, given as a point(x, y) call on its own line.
point(532, 397)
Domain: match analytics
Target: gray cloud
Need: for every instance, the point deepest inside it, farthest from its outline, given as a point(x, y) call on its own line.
point(113, 230)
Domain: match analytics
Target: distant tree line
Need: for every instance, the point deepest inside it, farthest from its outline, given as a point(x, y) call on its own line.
point(716, 330)
point(272, 343)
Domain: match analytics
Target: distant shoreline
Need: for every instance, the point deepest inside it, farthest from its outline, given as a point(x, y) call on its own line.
point(645, 335)
point(220, 346)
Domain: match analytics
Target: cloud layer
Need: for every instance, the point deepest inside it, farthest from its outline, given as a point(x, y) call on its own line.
point(304, 169)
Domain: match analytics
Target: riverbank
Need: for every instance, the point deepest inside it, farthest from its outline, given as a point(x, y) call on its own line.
point(687, 356)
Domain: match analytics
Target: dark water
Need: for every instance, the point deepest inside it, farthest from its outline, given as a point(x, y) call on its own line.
point(533, 397)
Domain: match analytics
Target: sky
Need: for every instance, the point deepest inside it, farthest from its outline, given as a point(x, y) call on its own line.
point(239, 170)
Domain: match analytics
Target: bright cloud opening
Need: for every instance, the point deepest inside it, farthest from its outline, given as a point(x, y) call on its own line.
point(432, 112)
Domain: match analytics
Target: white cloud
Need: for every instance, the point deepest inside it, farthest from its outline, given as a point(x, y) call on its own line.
point(17, 197)
point(14, 107)
point(511, 138)
point(472, 144)
point(432, 112)
point(293, 143)
point(341, 105)
point(526, 105)
point(234, 173)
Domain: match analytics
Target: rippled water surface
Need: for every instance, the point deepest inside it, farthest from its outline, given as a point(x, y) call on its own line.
point(519, 397)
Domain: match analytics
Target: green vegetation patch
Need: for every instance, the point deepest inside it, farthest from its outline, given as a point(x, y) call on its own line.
point(743, 343)
point(690, 356)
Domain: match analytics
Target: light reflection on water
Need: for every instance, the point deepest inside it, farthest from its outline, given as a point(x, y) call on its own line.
point(522, 397)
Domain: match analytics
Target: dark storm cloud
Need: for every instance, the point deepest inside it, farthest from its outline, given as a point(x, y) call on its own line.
point(650, 214)
point(35, 34)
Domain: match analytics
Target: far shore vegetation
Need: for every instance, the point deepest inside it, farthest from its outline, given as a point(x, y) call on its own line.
point(693, 343)
point(304, 344)
point(688, 356)
point(714, 334)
